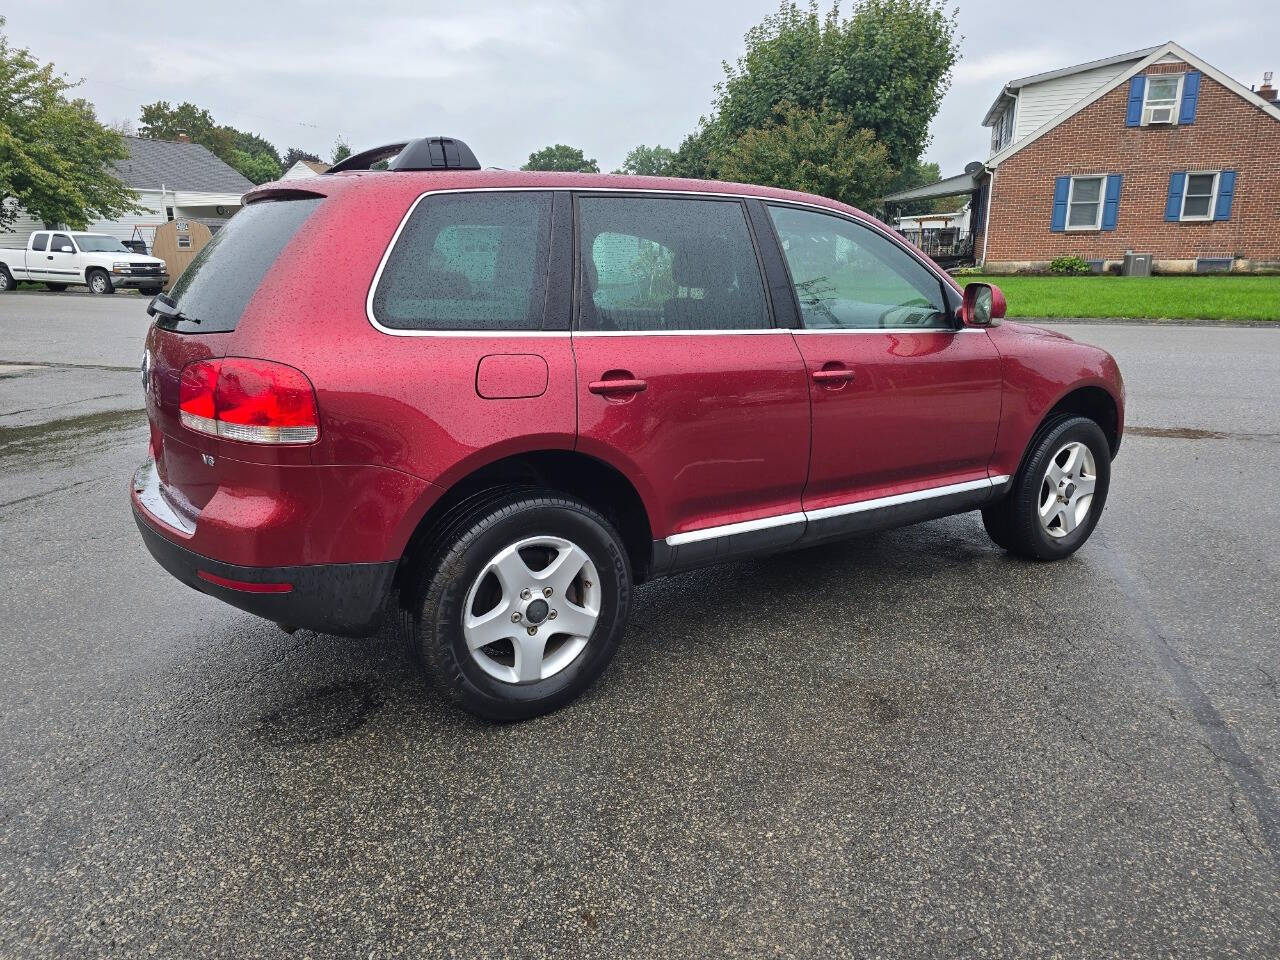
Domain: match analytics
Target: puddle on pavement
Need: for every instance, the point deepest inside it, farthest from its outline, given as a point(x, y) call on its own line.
point(330, 712)
point(1191, 433)
point(58, 439)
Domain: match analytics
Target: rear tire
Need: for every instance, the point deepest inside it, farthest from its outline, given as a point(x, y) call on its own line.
point(1057, 497)
point(469, 609)
point(7, 283)
point(100, 283)
point(56, 287)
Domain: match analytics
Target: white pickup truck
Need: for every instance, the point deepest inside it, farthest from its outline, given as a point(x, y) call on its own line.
point(60, 258)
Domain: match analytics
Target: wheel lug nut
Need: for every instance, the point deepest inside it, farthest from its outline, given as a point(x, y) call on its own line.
point(546, 591)
point(525, 594)
point(532, 631)
point(515, 617)
point(552, 615)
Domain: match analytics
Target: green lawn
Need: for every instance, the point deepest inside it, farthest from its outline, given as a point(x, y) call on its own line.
point(1175, 298)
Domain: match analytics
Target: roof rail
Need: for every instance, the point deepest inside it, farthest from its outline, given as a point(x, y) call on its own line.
point(427, 153)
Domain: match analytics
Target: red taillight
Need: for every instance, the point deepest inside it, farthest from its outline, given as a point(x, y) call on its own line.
point(255, 401)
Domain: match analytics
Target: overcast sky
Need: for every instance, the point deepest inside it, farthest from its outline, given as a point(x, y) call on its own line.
point(509, 78)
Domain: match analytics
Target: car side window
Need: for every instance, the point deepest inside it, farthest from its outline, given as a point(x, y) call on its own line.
point(468, 261)
point(663, 264)
point(848, 277)
point(40, 242)
point(60, 240)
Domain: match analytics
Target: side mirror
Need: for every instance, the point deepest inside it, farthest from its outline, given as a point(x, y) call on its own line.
point(984, 305)
point(66, 249)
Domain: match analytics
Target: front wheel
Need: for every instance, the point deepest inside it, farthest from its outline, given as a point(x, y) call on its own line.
point(100, 283)
point(523, 605)
point(1058, 495)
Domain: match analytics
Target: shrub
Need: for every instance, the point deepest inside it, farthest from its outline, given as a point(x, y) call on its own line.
point(1069, 267)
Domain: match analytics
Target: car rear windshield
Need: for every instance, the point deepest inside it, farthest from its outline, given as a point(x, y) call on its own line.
point(213, 292)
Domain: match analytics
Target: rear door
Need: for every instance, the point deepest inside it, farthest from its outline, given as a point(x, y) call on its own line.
point(684, 383)
point(905, 399)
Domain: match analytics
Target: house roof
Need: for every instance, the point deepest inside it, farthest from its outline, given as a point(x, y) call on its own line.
point(960, 183)
point(1156, 54)
point(317, 166)
point(153, 164)
point(1013, 85)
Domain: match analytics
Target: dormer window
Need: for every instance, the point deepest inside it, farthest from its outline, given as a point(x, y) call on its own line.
point(1160, 105)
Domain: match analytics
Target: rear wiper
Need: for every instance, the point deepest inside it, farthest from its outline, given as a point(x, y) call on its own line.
point(161, 305)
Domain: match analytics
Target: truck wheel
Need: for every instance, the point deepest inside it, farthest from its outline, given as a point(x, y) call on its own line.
point(522, 605)
point(100, 283)
point(7, 282)
point(56, 287)
point(1057, 497)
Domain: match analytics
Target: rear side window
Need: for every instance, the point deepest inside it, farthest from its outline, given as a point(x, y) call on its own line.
point(468, 261)
point(40, 241)
point(664, 264)
point(215, 289)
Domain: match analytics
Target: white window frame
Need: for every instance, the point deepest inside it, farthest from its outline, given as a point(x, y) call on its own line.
point(1213, 196)
point(1102, 201)
point(1175, 105)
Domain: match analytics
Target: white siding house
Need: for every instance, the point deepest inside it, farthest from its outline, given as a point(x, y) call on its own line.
point(173, 180)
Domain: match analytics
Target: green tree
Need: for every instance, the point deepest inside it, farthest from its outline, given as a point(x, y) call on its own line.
point(816, 151)
point(341, 150)
point(255, 167)
point(561, 157)
point(887, 67)
point(55, 157)
point(646, 161)
point(294, 154)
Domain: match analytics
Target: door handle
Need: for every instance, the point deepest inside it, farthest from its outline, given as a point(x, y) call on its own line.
point(618, 386)
point(838, 375)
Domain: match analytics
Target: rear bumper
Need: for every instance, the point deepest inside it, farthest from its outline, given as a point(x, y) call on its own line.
point(342, 598)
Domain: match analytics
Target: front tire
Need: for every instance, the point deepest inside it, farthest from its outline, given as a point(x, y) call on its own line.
point(1057, 497)
point(522, 605)
point(100, 283)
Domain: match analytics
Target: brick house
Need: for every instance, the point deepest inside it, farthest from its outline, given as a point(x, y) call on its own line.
point(1153, 151)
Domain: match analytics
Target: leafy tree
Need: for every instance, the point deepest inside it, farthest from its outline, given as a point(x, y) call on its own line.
point(163, 121)
point(817, 151)
point(294, 154)
point(916, 174)
point(645, 161)
point(561, 157)
point(255, 167)
point(55, 157)
point(887, 67)
point(694, 156)
point(341, 150)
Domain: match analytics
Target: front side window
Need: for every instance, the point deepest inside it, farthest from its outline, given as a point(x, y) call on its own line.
point(1084, 205)
point(468, 261)
point(848, 277)
point(1197, 202)
point(40, 242)
point(665, 264)
point(59, 241)
point(1160, 102)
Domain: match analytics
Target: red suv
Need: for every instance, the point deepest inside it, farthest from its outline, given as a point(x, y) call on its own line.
point(484, 405)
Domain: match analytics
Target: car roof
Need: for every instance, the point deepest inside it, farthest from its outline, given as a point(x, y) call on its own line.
point(414, 183)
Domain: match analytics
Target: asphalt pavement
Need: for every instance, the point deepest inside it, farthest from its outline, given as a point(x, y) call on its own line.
point(906, 745)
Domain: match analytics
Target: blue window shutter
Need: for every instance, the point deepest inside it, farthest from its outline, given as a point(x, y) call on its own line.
point(1111, 208)
point(1190, 94)
point(1137, 89)
point(1226, 191)
point(1061, 189)
point(1177, 184)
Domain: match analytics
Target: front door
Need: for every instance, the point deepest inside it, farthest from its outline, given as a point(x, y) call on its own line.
point(905, 401)
point(683, 382)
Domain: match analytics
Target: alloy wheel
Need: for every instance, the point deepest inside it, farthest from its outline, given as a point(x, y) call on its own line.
point(1066, 492)
point(532, 609)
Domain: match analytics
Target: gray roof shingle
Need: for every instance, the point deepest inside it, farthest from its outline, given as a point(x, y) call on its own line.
point(177, 166)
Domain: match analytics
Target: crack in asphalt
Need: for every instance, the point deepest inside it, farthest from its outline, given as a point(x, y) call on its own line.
point(1222, 743)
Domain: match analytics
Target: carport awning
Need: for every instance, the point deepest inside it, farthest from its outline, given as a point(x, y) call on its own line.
point(962, 183)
